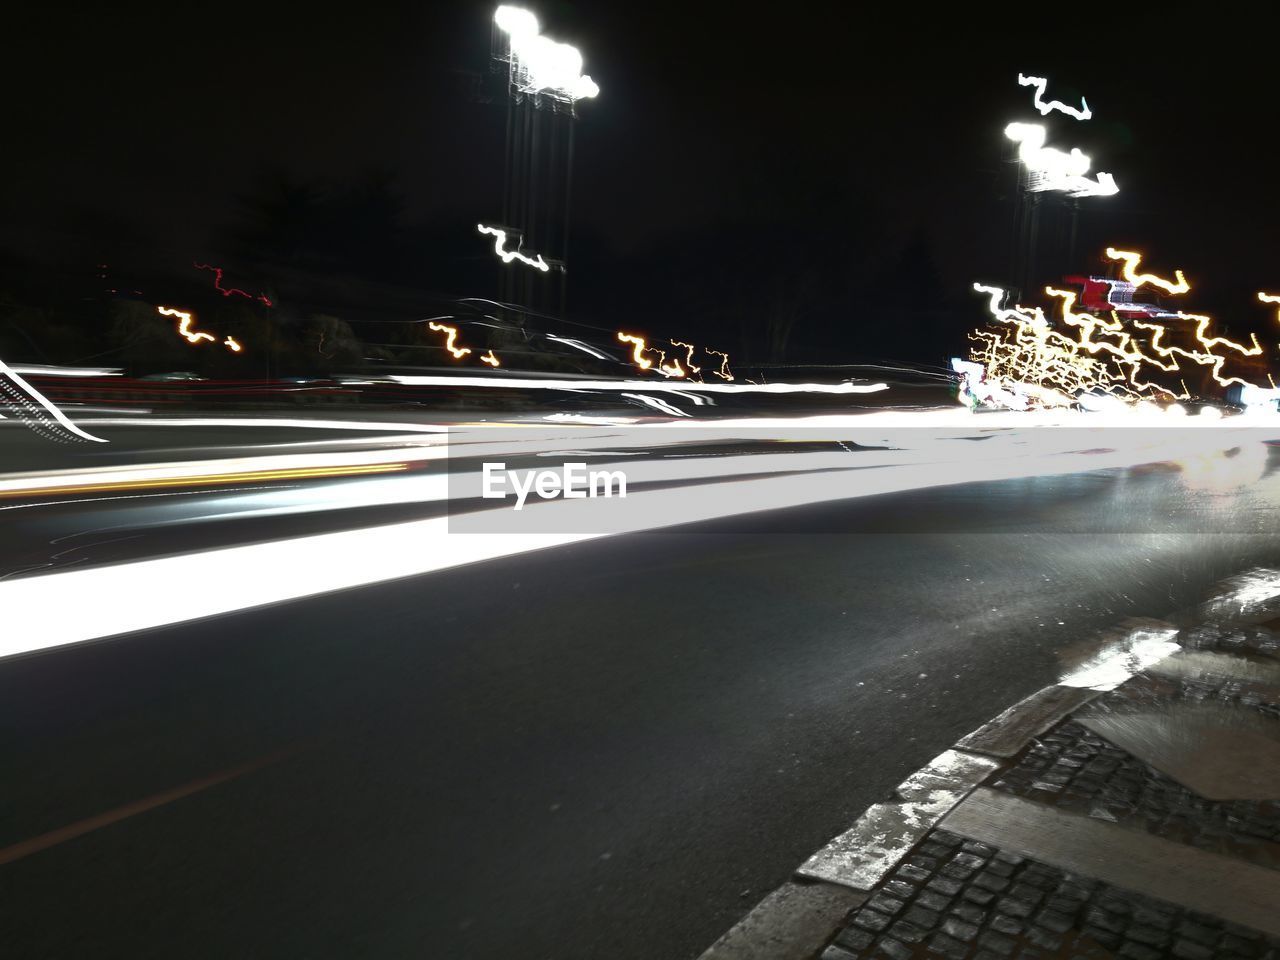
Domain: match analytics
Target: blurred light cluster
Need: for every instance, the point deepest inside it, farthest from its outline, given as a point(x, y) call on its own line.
point(1049, 168)
point(540, 65)
point(1025, 359)
point(645, 358)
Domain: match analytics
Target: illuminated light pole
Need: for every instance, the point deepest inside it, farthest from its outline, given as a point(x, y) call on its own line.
point(544, 82)
point(1045, 172)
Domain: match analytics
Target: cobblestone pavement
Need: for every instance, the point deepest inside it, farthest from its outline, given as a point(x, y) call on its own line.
point(959, 899)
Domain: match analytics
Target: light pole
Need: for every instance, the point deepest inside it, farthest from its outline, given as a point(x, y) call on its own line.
point(544, 82)
point(1044, 171)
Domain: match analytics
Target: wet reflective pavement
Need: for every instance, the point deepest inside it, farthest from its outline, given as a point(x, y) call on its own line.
point(1145, 825)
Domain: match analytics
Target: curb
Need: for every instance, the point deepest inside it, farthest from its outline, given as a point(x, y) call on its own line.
point(797, 919)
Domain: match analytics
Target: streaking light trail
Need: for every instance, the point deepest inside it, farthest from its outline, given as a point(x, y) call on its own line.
point(34, 408)
point(638, 349)
point(184, 325)
point(688, 359)
point(1040, 83)
point(648, 386)
point(499, 247)
point(1130, 273)
point(1028, 361)
point(230, 291)
point(490, 359)
point(723, 372)
point(451, 340)
point(185, 320)
point(121, 598)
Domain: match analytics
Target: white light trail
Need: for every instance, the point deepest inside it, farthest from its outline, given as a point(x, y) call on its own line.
point(499, 247)
point(50, 610)
point(579, 345)
point(39, 370)
point(660, 405)
point(44, 402)
point(1054, 169)
point(1040, 83)
point(645, 386)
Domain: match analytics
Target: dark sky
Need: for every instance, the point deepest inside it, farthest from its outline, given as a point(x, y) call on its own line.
point(146, 126)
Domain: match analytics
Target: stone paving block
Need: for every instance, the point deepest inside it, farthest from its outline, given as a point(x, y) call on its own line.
point(997, 943)
point(933, 901)
point(852, 938)
point(948, 947)
point(959, 929)
point(900, 888)
point(888, 947)
point(1044, 938)
point(885, 903)
point(870, 920)
point(978, 896)
point(944, 886)
point(1011, 926)
point(907, 932)
point(923, 917)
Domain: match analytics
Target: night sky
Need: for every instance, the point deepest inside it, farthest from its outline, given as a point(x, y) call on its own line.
point(864, 144)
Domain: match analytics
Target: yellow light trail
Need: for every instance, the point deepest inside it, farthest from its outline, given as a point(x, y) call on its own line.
point(688, 359)
point(1129, 272)
point(723, 373)
point(637, 351)
point(491, 359)
point(184, 326)
point(213, 479)
point(450, 341)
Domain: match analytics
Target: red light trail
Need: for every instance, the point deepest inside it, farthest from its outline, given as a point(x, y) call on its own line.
point(229, 291)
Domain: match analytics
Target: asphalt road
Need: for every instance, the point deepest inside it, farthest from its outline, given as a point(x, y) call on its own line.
point(609, 749)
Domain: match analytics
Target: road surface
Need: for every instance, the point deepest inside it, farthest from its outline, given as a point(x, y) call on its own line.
point(608, 748)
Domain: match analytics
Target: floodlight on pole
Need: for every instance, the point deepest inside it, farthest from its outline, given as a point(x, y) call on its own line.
point(540, 65)
point(1053, 169)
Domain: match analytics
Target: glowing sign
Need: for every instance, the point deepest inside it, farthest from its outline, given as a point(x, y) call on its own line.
point(1130, 273)
point(1082, 113)
point(540, 64)
point(499, 247)
point(1053, 169)
point(451, 341)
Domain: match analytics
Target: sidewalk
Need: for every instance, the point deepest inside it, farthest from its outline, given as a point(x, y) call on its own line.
point(1131, 811)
